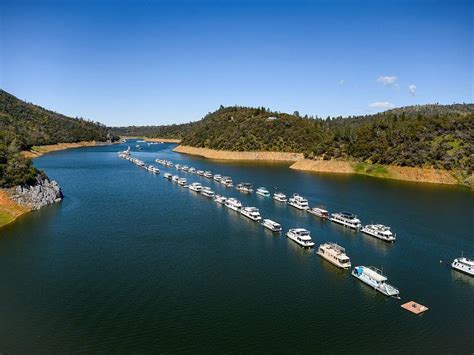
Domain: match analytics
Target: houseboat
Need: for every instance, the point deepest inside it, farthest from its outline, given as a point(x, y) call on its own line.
point(346, 219)
point(280, 197)
point(319, 212)
point(335, 254)
point(374, 278)
point(251, 212)
point(301, 236)
point(298, 202)
point(379, 231)
point(272, 225)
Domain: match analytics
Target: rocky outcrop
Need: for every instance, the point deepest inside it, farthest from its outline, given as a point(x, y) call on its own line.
point(42, 193)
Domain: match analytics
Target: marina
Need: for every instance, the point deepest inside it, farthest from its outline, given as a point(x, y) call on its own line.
point(141, 204)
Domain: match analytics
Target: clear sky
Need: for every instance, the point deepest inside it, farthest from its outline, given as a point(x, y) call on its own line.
point(157, 62)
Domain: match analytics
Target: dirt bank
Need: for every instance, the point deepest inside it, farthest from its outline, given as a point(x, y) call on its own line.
point(9, 210)
point(38, 151)
point(425, 175)
point(231, 155)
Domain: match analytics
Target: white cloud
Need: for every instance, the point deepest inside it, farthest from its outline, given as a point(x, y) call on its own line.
point(387, 80)
point(342, 82)
point(381, 105)
point(412, 89)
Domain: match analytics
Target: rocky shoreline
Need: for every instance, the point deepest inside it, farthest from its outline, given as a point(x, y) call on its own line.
point(44, 192)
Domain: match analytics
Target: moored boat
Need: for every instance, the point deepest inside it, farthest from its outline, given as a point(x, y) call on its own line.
point(301, 236)
point(262, 191)
point(167, 176)
point(298, 202)
point(379, 231)
point(217, 177)
point(175, 178)
point(272, 225)
point(346, 219)
point(244, 187)
point(319, 212)
point(464, 265)
point(335, 254)
point(227, 181)
point(280, 197)
point(206, 191)
point(374, 277)
point(220, 199)
point(196, 187)
point(251, 212)
point(233, 204)
point(208, 175)
point(183, 182)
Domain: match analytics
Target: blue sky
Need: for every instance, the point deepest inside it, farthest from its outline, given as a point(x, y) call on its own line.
point(157, 62)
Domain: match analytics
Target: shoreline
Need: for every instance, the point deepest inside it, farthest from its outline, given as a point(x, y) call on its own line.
point(231, 155)
point(9, 209)
point(37, 151)
point(411, 174)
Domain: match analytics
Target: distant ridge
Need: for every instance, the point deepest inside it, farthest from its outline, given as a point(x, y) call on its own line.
point(434, 136)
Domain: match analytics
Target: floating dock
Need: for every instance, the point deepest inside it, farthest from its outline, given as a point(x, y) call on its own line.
point(414, 307)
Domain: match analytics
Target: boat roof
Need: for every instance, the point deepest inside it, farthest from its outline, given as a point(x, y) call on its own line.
point(374, 273)
point(466, 261)
point(271, 222)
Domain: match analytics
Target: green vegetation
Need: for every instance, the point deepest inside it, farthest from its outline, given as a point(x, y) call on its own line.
point(371, 169)
point(439, 136)
point(23, 125)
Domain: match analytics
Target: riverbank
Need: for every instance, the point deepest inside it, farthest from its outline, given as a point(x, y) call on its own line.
point(422, 175)
point(232, 155)
point(37, 151)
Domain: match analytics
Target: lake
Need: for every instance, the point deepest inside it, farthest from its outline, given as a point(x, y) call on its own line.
point(130, 261)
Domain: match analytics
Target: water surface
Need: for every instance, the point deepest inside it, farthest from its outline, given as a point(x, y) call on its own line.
point(129, 261)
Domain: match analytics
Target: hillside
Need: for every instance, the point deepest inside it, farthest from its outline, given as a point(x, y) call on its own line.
point(23, 125)
point(439, 136)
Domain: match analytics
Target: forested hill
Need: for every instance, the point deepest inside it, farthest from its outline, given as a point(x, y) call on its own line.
point(439, 136)
point(23, 125)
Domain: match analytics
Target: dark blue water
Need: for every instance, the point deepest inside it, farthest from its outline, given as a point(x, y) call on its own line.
point(132, 262)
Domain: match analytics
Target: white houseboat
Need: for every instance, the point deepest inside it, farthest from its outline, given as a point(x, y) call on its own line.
point(335, 254)
point(262, 191)
point(464, 264)
point(379, 231)
point(374, 277)
point(272, 225)
point(233, 204)
point(244, 187)
point(298, 202)
point(280, 197)
point(196, 187)
point(346, 219)
point(319, 212)
point(251, 212)
point(301, 236)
